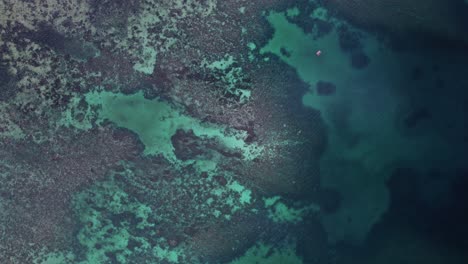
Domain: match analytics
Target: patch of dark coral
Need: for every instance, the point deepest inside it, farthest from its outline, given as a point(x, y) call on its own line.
point(303, 19)
point(124, 218)
point(159, 83)
point(112, 14)
point(323, 27)
point(350, 42)
point(325, 88)
point(359, 60)
point(250, 130)
point(416, 116)
point(4, 76)
point(348, 39)
point(46, 35)
point(285, 52)
point(220, 180)
point(413, 120)
point(187, 145)
point(8, 88)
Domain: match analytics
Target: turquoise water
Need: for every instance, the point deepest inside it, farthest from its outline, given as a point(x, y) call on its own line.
point(233, 132)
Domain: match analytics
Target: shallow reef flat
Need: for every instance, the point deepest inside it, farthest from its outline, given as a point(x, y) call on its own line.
point(268, 131)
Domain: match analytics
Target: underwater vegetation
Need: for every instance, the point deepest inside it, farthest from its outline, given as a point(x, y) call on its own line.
point(267, 131)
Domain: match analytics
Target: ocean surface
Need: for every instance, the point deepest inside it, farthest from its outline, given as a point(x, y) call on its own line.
point(240, 132)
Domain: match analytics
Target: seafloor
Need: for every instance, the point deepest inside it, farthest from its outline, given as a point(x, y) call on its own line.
point(211, 131)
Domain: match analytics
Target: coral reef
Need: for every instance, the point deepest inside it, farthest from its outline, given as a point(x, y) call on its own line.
point(148, 131)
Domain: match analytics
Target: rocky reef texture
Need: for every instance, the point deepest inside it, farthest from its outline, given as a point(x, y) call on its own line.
point(183, 131)
point(39, 181)
point(149, 132)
